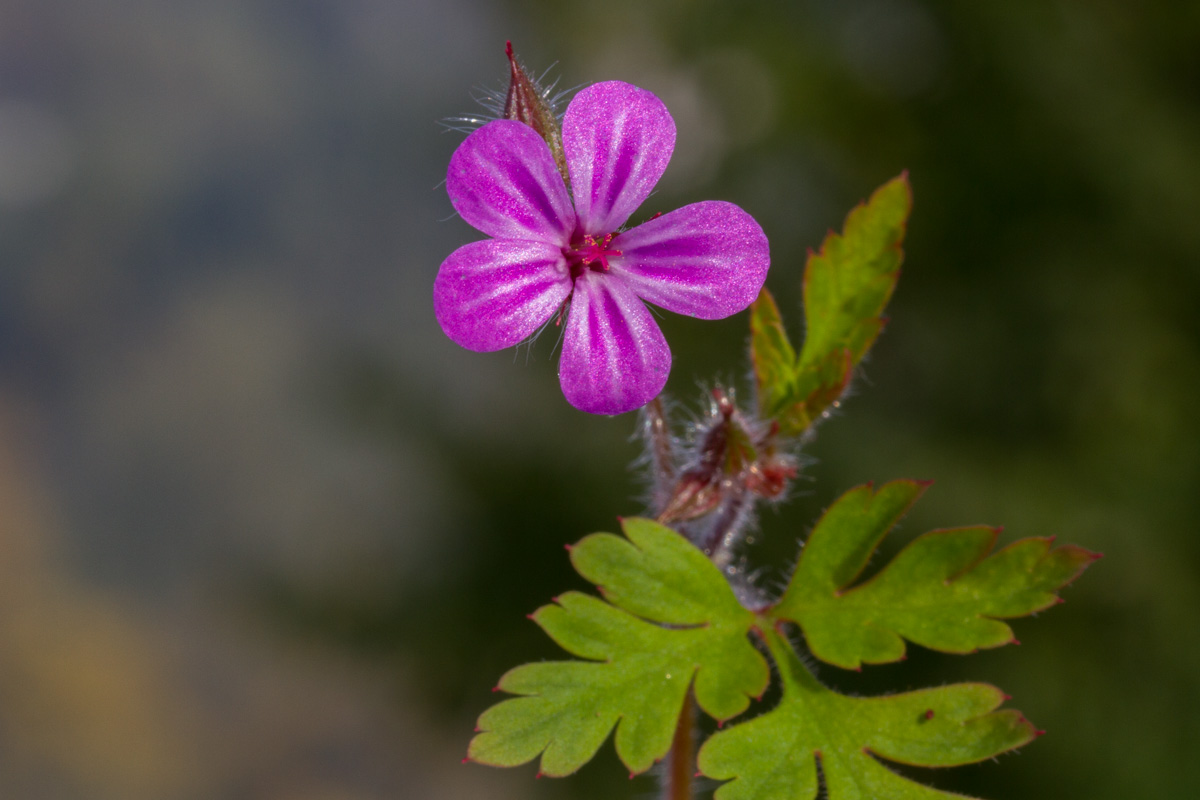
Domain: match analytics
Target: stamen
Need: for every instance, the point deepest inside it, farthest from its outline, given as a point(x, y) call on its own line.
point(594, 250)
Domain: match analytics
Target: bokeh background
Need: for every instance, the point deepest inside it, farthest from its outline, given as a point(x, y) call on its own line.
point(265, 533)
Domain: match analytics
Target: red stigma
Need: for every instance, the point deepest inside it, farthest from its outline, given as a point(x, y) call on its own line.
point(592, 252)
point(596, 249)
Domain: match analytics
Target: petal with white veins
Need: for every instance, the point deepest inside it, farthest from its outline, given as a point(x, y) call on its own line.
point(706, 260)
point(494, 294)
point(614, 357)
point(617, 139)
point(503, 181)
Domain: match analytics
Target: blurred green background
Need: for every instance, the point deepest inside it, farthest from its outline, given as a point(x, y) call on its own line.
point(266, 533)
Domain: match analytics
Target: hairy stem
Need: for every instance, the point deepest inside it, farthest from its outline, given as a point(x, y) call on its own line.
point(657, 433)
point(681, 761)
point(728, 526)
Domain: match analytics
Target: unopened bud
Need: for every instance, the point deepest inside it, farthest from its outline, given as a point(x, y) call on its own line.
point(529, 102)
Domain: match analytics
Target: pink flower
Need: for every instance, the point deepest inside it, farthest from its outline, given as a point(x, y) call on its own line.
point(706, 260)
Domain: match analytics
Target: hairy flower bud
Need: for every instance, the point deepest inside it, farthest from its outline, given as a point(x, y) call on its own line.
point(731, 461)
point(529, 102)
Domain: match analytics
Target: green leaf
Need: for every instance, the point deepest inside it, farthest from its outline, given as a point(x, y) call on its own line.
point(943, 591)
point(772, 355)
point(774, 756)
point(640, 671)
point(846, 287)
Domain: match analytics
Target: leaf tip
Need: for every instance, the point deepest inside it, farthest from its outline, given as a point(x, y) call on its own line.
point(1039, 732)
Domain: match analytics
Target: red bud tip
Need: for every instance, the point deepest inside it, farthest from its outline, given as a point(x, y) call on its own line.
point(465, 760)
point(698, 774)
point(1039, 733)
point(477, 729)
point(568, 547)
point(1014, 640)
point(929, 713)
point(1060, 600)
point(632, 775)
point(555, 599)
point(858, 668)
point(531, 616)
point(1007, 697)
point(538, 775)
point(495, 688)
point(903, 657)
point(1097, 556)
point(508, 49)
point(720, 724)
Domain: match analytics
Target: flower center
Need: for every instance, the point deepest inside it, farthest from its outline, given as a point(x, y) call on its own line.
point(590, 252)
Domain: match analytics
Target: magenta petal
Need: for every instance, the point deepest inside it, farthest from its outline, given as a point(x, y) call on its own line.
point(614, 358)
point(494, 294)
point(503, 181)
point(706, 260)
point(617, 139)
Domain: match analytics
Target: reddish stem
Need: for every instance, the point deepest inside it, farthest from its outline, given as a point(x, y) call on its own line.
point(681, 761)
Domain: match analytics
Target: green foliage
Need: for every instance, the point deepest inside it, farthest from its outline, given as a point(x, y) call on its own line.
point(846, 287)
point(940, 591)
point(670, 622)
point(774, 756)
point(640, 672)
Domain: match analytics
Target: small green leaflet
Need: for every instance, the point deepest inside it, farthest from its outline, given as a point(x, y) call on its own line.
point(942, 591)
point(640, 671)
point(846, 287)
point(774, 756)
